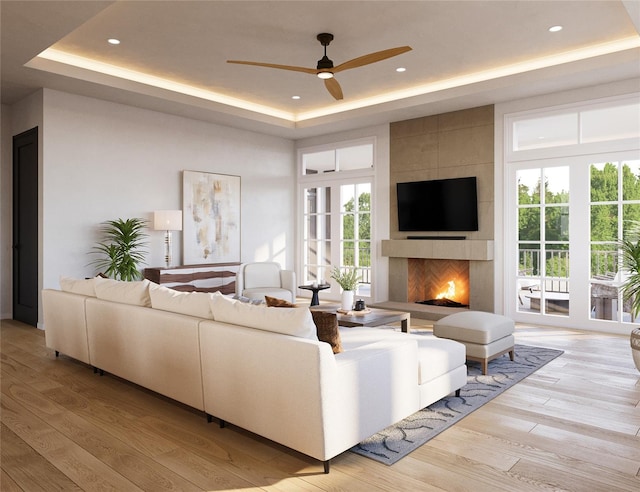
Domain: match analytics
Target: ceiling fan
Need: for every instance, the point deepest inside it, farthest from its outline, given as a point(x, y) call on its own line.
point(325, 69)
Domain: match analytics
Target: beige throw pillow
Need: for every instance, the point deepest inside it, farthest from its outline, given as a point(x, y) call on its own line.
point(136, 293)
point(190, 303)
point(85, 287)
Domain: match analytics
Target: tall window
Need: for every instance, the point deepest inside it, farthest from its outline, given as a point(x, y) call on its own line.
point(575, 174)
point(336, 188)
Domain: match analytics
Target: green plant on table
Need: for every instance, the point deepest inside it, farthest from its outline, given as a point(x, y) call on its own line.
point(347, 279)
point(123, 248)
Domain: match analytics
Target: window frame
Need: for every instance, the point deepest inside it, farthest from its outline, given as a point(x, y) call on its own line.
point(607, 150)
point(335, 180)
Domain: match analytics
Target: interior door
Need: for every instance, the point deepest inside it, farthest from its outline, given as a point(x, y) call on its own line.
point(25, 227)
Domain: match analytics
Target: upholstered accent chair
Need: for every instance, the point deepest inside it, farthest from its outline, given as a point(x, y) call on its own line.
point(256, 280)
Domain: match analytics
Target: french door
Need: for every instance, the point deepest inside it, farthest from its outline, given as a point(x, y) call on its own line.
point(337, 232)
point(568, 217)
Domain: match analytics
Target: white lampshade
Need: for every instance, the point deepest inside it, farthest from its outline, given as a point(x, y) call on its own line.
point(167, 220)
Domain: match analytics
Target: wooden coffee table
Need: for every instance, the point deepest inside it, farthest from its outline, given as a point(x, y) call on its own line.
point(370, 317)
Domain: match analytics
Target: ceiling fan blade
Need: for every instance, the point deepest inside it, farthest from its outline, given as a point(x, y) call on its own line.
point(333, 87)
point(371, 58)
point(312, 71)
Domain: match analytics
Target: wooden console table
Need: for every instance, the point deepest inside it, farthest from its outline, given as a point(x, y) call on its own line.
point(213, 277)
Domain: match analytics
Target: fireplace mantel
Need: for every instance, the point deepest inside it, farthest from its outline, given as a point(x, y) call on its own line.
point(467, 249)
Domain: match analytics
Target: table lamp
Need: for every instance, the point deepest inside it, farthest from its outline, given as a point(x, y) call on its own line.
point(167, 220)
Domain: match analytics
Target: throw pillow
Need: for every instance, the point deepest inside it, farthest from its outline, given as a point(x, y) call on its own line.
point(296, 322)
point(86, 287)
point(189, 303)
point(240, 298)
point(136, 293)
point(275, 302)
point(327, 329)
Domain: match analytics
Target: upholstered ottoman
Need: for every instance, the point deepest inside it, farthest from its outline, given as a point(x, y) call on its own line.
point(485, 335)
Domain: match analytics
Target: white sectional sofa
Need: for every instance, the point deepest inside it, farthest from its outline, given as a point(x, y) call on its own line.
point(260, 368)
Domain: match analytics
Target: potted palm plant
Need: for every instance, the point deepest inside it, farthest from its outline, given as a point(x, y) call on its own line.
point(348, 280)
point(630, 248)
point(123, 248)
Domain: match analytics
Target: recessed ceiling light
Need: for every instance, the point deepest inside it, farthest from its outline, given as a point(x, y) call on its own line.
point(113, 41)
point(295, 97)
point(401, 69)
point(555, 28)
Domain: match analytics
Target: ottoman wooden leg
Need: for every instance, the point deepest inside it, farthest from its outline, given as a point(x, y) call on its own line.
point(485, 366)
point(512, 354)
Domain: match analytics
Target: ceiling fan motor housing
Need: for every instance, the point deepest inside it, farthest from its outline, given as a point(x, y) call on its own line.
point(325, 63)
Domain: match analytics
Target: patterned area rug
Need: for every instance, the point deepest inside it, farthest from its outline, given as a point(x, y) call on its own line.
point(396, 441)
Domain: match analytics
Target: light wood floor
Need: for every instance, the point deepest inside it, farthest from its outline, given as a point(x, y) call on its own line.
point(573, 425)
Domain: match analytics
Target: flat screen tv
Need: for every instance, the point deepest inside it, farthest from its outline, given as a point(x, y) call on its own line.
point(438, 205)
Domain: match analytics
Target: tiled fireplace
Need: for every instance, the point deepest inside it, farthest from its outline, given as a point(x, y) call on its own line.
point(421, 269)
point(439, 146)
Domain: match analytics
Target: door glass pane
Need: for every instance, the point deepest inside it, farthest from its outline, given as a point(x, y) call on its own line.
point(355, 203)
point(630, 216)
point(528, 186)
point(604, 182)
point(631, 180)
point(604, 222)
point(529, 224)
point(556, 223)
point(317, 234)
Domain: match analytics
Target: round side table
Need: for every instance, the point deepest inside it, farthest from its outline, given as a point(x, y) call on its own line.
point(315, 289)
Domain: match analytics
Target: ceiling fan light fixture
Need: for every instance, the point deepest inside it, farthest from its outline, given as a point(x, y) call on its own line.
point(325, 75)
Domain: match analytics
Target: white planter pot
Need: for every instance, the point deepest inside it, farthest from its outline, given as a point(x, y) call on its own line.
point(347, 300)
point(635, 347)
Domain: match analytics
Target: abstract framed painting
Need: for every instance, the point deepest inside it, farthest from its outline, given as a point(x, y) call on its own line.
point(211, 218)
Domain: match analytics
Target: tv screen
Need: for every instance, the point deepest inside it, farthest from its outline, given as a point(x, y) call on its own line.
point(438, 205)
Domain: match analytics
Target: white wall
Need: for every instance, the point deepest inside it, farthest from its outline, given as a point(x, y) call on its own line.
point(103, 161)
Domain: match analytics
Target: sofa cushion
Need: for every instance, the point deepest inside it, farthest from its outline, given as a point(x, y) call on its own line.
point(86, 287)
point(276, 302)
point(296, 322)
point(136, 293)
point(327, 329)
point(190, 303)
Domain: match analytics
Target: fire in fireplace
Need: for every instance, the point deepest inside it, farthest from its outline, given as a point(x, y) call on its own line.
point(445, 298)
point(439, 282)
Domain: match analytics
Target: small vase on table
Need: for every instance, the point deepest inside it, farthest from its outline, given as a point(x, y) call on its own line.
point(347, 300)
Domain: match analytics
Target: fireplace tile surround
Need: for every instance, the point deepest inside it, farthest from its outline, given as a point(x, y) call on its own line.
point(447, 145)
point(403, 255)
